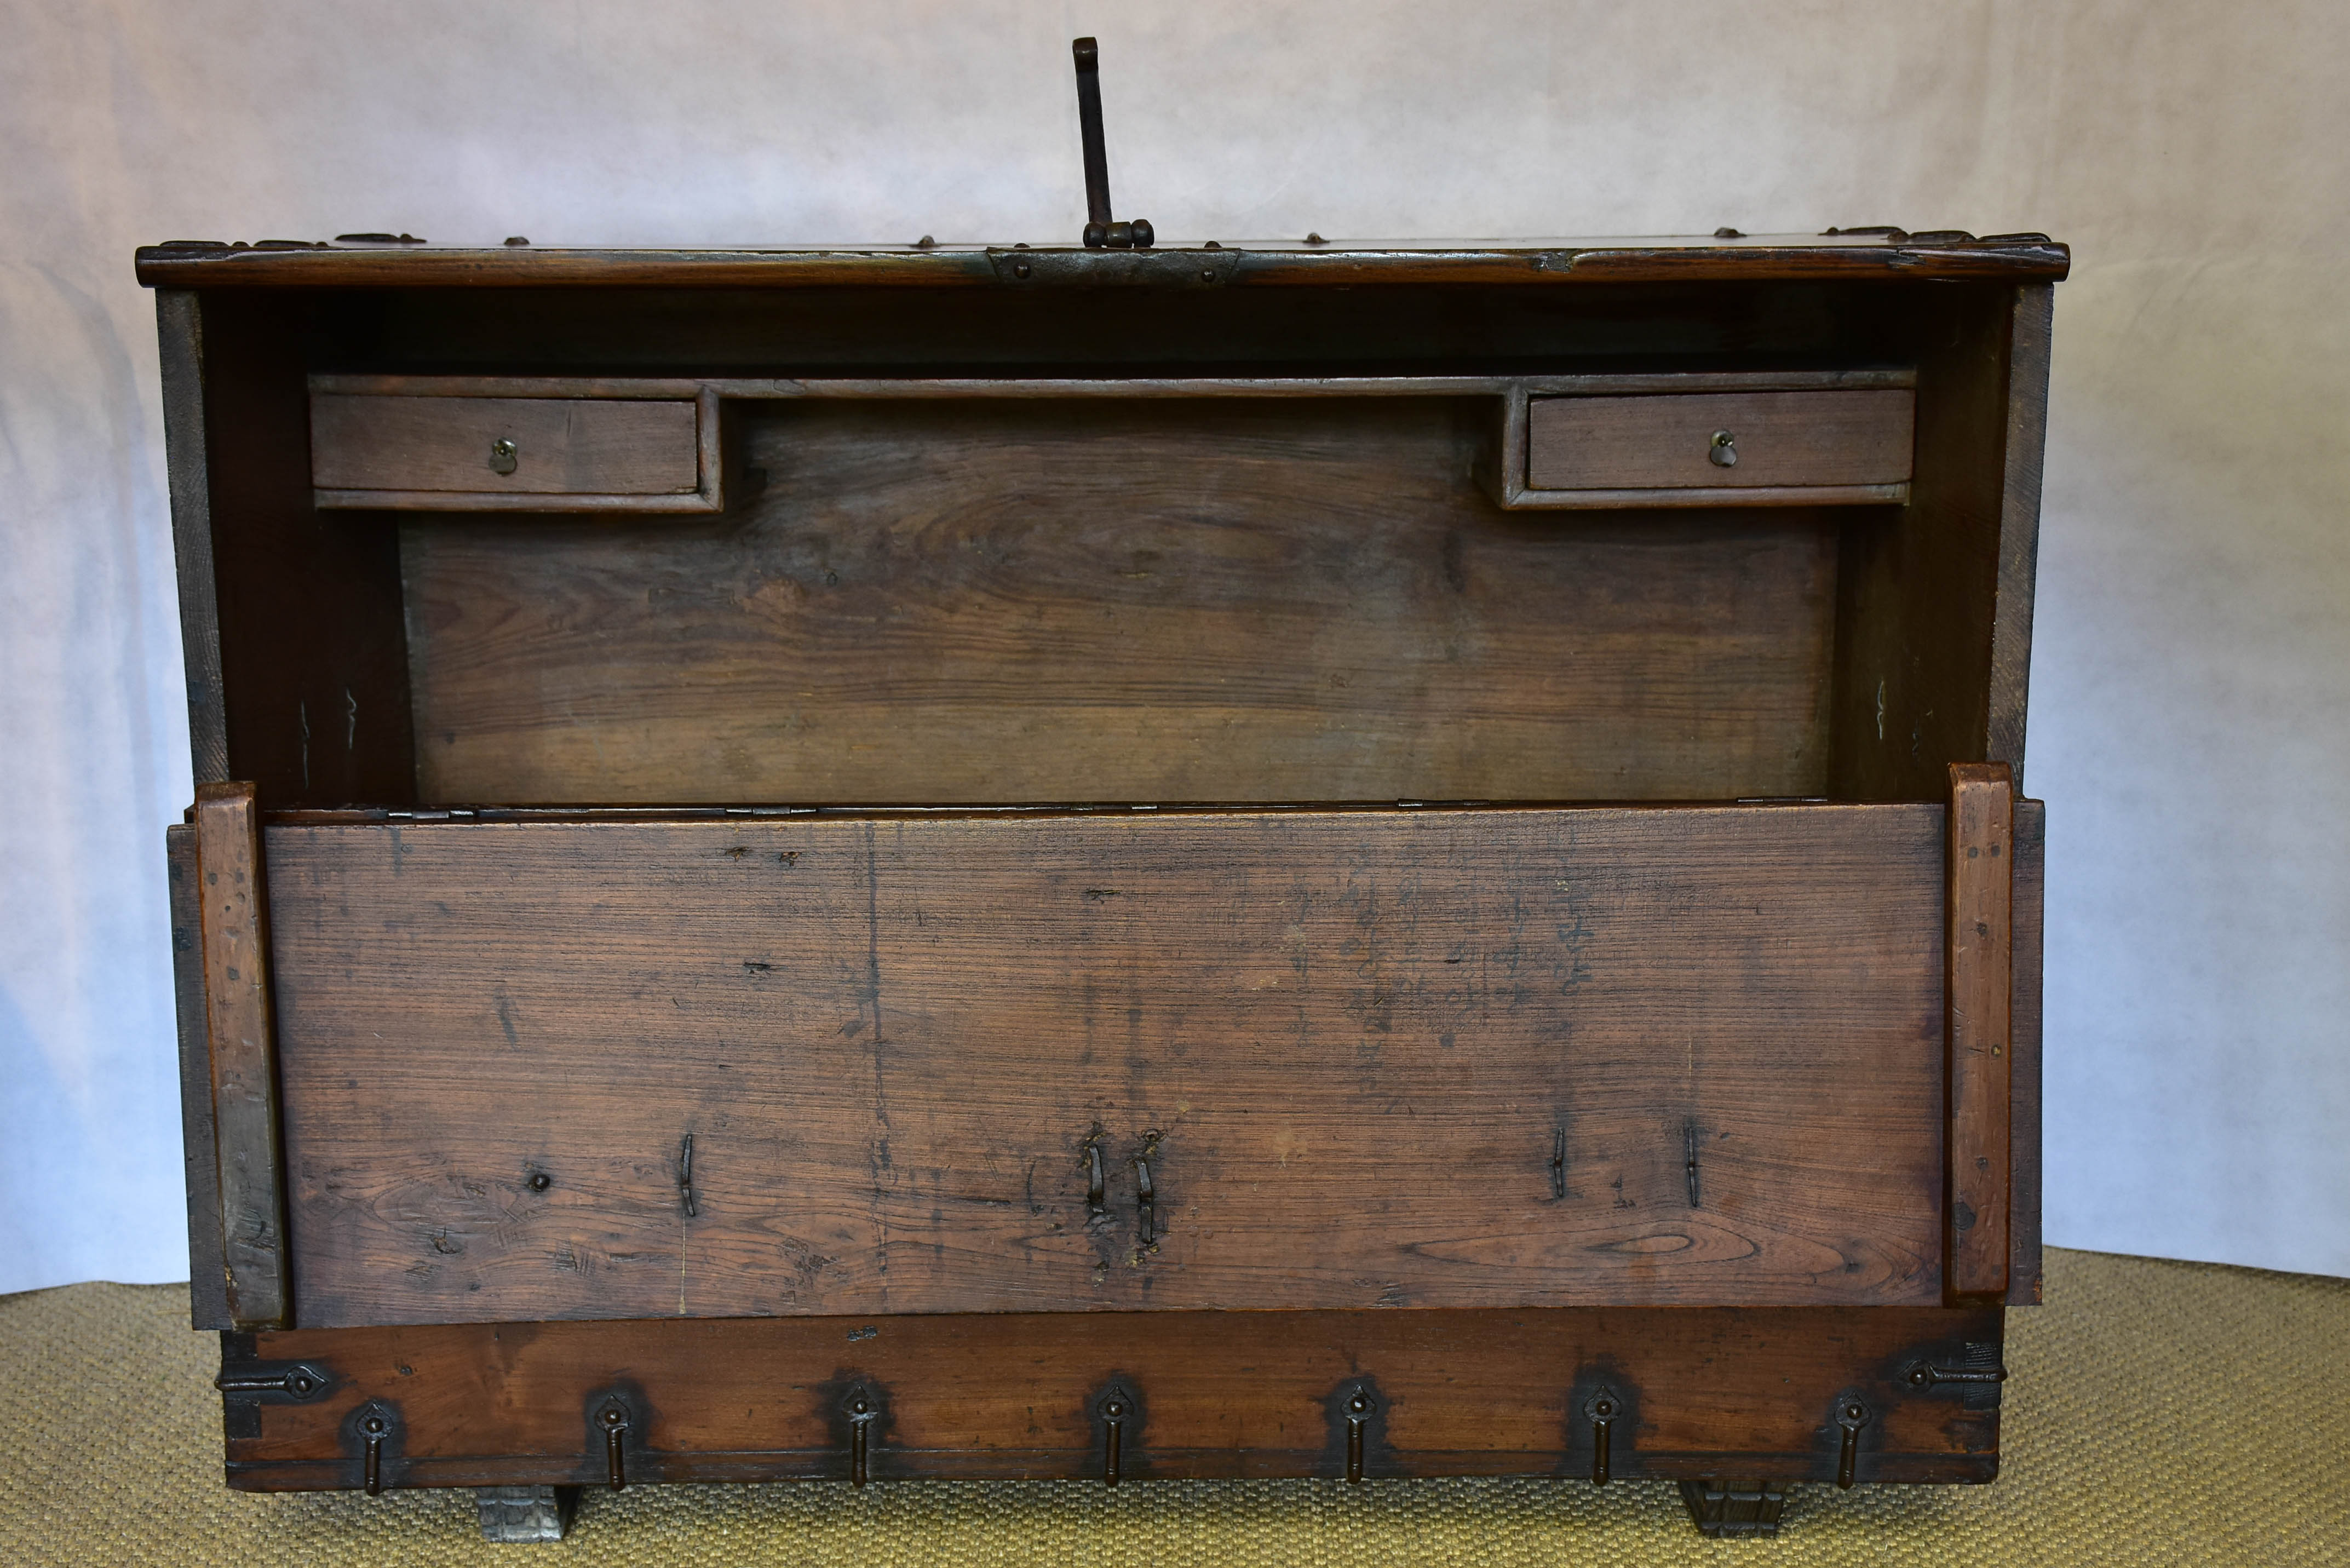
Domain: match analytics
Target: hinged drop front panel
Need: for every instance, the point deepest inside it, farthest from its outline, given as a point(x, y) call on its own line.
point(1461, 1058)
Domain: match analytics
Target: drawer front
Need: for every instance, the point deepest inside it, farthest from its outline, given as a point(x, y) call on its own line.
point(505, 446)
point(1496, 1058)
point(1742, 441)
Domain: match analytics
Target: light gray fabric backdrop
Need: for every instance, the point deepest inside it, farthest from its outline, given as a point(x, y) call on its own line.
point(2189, 726)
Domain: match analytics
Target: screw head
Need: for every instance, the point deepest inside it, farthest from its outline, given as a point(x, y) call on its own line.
point(610, 1415)
point(858, 1406)
point(374, 1425)
point(1359, 1403)
point(300, 1383)
point(1855, 1412)
point(1019, 269)
point(540, 1181)
point(1604, 1407)
point(1115, 1408)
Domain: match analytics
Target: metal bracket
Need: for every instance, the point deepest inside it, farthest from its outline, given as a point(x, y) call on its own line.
point(862, 1410)
point(1101, 230)
point(1852, 1415)
point(1601, 1410)
point(519, 1515)
point(611, 1421)
point(295, 1382)
point(375, 1425)
point(1978, 1376)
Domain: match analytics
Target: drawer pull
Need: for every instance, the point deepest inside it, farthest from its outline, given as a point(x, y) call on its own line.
point(1360, 1407)
point(375, 1426)
point(1851, 1416)
point(1722, 453)
point(612, 1420)
point(1114, 1431)
point(1095, 1204)
point(862, 1413)
point(506, 457)
point(1600, 1411)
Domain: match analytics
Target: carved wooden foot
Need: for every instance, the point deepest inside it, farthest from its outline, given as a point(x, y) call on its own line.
point(1735, 1507)
point(515, 1514)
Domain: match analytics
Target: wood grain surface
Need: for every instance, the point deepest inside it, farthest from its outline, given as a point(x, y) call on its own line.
point(1457, 1392)
point(1527, 263)
point(1042, 601)
point(1798, 440)
point(1981, 994)
point(241, 1034)
point(1440, 1058)
point(576, 445)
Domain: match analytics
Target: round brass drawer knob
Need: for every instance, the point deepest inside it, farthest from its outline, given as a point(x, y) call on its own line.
point(1723, 452)
point(504, 456)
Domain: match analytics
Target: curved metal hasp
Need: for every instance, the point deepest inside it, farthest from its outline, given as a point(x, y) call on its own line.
point(1101, 230)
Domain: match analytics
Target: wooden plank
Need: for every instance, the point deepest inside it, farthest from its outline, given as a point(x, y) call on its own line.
point(240, 1031)
point(2023, 1285)
point(1982, 998)
point(1523, 263)
point(999, 602)
point(1457, 1392)
point(587, 446)
point(1800, 440)
point(1660, 500)
point(1349, 1045)
point(207, 1286)
point(179, 332)
point(2018, 527)
point(937, 387)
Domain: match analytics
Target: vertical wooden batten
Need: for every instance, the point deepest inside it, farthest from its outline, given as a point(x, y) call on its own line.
point(241, 1033)
point(2019, 529)
point(1980, 937)
point(180, 333)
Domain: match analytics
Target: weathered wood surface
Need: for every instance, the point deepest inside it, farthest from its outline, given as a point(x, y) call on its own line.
point(1350, 1046)
point(1458, 1393)
point(241, 1035)
point(2024, 443)
point(2024, 1160)
point(207, 1286)
point(1347, 264)
point(1980, 997)
point(585, 445)
point(1781, 438)
point(1039, 601)
point(187, 465)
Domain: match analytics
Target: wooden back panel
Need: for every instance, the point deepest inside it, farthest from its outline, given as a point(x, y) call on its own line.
point(1445, 1058)
point(1000, 602)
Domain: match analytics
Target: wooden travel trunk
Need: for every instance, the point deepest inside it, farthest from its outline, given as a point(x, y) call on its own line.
point(1227, 861)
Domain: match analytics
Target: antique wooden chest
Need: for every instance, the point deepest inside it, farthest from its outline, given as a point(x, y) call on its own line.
point(1217, 860)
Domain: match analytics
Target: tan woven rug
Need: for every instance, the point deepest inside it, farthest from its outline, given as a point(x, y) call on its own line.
point(2159, 1413)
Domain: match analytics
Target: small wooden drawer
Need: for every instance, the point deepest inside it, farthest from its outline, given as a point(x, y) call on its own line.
point(1743, 448)
point(441, 445)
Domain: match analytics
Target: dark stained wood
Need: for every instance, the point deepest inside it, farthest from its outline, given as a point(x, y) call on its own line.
point(1463, 1393)
point(180, 333)
point(1919, 592)
point(1350, 1045)
point(996, 602)
point(2024, 1056)
point(1788, 439)
point(1528, 263)
point(1981, 999)
point(576, 445)
point(207, 1284)
point(240, 1033)
point(313, 653)
point(2018, 527)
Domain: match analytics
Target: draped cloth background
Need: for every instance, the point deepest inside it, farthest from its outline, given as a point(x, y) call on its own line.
point(2191, 677)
